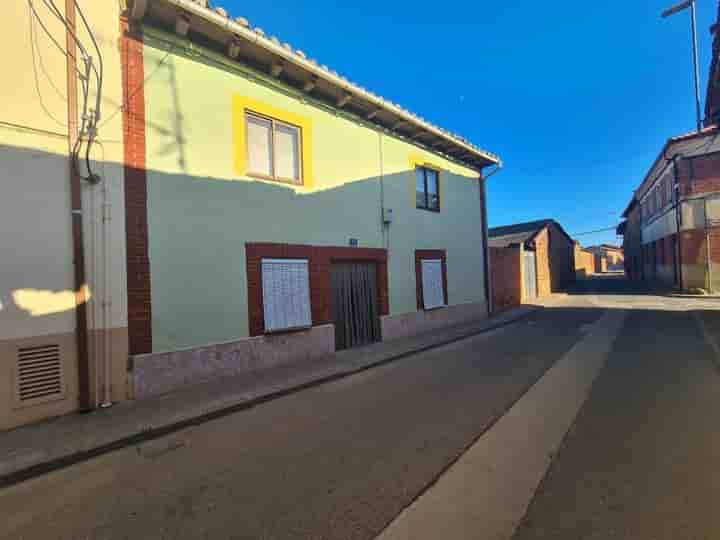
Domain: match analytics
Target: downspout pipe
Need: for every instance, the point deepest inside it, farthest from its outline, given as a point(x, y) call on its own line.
point(486, 249)
point(81, 290)
point(678, 220)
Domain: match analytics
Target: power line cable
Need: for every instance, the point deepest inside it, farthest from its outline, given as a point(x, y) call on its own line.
point(613, 228)
point(33, 48)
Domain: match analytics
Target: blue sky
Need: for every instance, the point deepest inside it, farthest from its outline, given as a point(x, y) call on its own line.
point(576, 97)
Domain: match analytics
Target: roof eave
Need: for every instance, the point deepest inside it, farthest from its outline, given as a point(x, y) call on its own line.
point(216, 26)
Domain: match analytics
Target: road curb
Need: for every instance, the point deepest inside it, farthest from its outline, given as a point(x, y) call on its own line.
point(58, 463)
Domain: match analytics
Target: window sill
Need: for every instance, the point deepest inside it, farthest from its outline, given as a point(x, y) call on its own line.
point(437, 308)
point(288, 181)
point(434, 210)
point(282, 331)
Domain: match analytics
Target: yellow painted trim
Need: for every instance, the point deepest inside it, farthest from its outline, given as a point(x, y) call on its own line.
point(242, 104)
point(419, 161)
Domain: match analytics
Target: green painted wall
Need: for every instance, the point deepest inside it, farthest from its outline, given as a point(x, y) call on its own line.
point(201, 214)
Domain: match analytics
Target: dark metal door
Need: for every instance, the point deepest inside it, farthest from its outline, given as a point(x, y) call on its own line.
point(530, 274)
point(355, 304)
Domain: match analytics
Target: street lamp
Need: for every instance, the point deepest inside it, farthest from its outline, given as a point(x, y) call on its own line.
point(682, 6)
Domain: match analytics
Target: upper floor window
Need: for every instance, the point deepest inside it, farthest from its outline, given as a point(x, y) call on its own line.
point(670, 190)
point(427, 189)
point(273, 149)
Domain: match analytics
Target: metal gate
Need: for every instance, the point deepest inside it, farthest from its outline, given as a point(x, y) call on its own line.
point(530, 273)
point(355, 304)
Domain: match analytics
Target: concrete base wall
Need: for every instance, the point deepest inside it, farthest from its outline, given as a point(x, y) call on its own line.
point(417, 322)
point(158, 373)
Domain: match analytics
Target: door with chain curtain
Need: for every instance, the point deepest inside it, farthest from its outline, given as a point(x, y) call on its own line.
point(355, 304)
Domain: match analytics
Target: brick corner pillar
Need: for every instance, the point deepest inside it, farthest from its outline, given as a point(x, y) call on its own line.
point(135, 173)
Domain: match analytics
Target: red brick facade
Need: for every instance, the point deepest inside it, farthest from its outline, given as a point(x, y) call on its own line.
point(506, 264)
point(421, 254)
point(699, 175)
point(584, 262)
point(320, 260)
point(136, 221)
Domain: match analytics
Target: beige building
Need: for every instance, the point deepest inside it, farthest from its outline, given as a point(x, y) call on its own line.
point(63, 315)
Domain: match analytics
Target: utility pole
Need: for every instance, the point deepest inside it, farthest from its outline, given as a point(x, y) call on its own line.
point(682, 6)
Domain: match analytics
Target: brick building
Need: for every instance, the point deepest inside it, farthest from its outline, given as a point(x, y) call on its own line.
point(584, 261)
point(529, 261)
point(670, 233)
point(607, 258)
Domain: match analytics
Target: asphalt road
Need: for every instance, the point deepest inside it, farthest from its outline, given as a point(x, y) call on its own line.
point(338, 461)
point(642, 461)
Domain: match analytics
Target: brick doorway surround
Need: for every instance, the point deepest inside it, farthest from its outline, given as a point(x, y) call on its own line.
point(320, 259)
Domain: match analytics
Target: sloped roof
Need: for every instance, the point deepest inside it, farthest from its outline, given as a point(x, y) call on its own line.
point(243, 43)
point(519, 233)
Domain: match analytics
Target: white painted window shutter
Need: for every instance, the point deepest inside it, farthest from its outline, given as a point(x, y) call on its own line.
point(432, 284)
point(259, 144)
point(286, 294)
point(287, 152)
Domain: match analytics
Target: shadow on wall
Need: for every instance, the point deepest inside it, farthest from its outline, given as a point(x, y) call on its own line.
point(172, 139)
point(199, 225)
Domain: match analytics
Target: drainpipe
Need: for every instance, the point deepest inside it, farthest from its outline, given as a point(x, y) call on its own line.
point(708, 264)
point(81, 292)
point(486, 250)
point(678, 221)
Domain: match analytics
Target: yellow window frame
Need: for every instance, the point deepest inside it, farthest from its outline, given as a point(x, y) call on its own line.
point(242, 106)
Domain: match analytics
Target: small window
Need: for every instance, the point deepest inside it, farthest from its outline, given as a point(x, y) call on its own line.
point(427, 189)
point(433, 290)
point(670, 190)
point(274, 149)
point(286, 294)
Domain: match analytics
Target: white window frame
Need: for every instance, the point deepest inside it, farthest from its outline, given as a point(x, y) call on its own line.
point(273, 157)
point(428, 303)
point(298, 318)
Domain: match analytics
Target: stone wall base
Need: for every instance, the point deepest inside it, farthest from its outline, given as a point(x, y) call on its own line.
point(417, 322)
point(158, 373)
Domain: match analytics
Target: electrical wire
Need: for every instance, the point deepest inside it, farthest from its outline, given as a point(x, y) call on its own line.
point(47, 32)
point(33, 48)
point(58, 14)
point(101, 63)
point(89, 118)
point(595, 232)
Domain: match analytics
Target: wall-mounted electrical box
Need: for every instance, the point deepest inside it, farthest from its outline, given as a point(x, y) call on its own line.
point(387, 216)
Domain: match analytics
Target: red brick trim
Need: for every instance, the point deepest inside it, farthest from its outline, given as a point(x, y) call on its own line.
point(136, 221)
point(421, 254)
point(320, 260)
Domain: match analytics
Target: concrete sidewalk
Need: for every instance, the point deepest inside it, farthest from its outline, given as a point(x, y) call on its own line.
point(39, 448)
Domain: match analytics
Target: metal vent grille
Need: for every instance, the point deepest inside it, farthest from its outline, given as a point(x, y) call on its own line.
point(39, 373)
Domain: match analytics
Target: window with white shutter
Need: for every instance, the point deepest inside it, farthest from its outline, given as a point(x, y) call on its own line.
point(433, 291)
point(286, 294)
point(259, 145)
